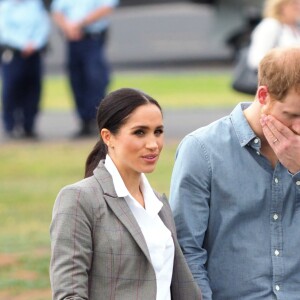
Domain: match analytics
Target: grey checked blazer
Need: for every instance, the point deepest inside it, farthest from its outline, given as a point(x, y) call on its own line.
point(98, 251)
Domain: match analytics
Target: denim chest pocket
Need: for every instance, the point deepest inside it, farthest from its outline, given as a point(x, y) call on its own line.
point(291, 198)
point(297, 197)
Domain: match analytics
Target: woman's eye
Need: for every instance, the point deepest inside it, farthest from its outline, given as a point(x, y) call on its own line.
point(159, 132)
point(139, 132)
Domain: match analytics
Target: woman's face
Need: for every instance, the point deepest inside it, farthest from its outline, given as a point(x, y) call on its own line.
point(136, 147)
point(291, 11)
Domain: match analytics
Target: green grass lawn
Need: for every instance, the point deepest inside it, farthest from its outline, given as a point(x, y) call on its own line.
point(30, 177)
point(31, 174)
point(173, 91)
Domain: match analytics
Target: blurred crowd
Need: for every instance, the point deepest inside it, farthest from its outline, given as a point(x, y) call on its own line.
point(25, 26)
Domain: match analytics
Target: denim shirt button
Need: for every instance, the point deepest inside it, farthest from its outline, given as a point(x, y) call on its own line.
point(275, 217)
point(298, 182)
point(276, 252)
point(277, 287)
point(276, 180)
point(256, 141)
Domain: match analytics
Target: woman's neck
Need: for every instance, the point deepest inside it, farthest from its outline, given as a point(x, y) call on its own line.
point(132, 183)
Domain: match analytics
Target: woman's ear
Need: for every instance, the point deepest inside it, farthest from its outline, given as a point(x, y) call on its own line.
point(105, 135)
point(262, 94)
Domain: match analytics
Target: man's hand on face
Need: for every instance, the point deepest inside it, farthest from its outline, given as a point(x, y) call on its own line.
point(284, 142)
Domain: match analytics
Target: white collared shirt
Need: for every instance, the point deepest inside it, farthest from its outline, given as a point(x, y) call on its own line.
point(157, 235)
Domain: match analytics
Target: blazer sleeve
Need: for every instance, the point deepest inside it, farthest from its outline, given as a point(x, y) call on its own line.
point(71, 244)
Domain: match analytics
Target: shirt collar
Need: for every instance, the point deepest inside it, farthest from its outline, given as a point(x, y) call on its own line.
point(119, 185)
point(240, 124)
point(152, 204)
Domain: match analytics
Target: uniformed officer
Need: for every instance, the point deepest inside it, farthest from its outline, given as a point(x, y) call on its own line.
point(84, 24)
point(24, 32)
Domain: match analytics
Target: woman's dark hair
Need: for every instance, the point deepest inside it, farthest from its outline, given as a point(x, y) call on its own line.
point(112, 113)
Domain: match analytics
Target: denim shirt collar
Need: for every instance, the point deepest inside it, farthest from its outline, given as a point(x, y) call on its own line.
point(244, 132)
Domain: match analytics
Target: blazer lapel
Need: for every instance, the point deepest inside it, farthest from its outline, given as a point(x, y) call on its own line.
point(120, 207)
point(166, 215)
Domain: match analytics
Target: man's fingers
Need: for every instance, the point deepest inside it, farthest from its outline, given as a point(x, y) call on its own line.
point(271, 138)
point(278, 129)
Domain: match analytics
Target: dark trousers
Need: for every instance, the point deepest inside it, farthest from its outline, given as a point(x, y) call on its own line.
point(21, 91)
point(89, 75)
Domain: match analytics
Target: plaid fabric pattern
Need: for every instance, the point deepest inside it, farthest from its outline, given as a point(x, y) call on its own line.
point(98, 249)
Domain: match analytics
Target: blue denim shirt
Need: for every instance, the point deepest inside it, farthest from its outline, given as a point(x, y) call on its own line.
point(238, 219)
point(23, 22)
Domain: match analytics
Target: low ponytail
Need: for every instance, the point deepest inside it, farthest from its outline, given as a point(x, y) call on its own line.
point(99, 152)
point(112, 114)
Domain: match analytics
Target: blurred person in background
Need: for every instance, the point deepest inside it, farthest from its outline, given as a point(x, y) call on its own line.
point(112, 236)
point(278, 28)
point(24, 33)
point(84, 24)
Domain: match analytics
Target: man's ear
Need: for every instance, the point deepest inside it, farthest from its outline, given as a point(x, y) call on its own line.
point(105, 135)
point(262, 94)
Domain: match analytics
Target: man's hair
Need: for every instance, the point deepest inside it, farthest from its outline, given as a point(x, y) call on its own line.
point(279, 70)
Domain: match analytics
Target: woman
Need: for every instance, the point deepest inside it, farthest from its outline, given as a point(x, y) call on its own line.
point(112, 236)
point(279, 28)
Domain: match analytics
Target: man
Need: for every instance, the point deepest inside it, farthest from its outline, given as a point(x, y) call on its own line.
point(235, 192)
point(84, 24)
point(24, 32)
